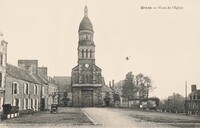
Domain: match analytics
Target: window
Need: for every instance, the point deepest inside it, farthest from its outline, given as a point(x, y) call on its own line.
point(1, 59)
point(1, 79)
point(32, 104)
point(26, 103)
point(43, 90)
point(36, 104)
point(82, 53)
point(194, 97)
point(35, 89)
point(86, 53)
point(15, 89)
point(26, 88)
point(16, 102)
point(90, 53)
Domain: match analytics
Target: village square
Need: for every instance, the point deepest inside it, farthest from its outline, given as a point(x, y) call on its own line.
point(30, 97)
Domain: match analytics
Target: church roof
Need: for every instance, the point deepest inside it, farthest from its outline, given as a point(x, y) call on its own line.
point(85, 24)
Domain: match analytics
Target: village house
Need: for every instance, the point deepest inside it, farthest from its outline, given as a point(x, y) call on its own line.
point(3, 61)
point(108, 96)
point(48, 88)
point(193, 102)
point(29, 87)
point(49, 93)
point(22, 89)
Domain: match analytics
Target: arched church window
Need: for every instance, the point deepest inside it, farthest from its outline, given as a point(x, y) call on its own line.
point(91, 53)
point(82, 53)
point(86, 53)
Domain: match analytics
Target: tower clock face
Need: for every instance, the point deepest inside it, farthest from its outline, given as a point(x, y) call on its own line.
point(86, 65)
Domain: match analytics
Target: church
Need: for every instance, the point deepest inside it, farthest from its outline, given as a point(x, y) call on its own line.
point(88, 86)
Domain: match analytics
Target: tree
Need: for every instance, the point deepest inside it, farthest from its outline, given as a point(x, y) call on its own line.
point(129, 89)
point(174, 103)
point(144, 85)
point(148, 83)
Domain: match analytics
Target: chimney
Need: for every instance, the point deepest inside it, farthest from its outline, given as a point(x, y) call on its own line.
point(113, 83)
point(29, 65)
point(109, 83)
point(193, 87)
point(43, 71)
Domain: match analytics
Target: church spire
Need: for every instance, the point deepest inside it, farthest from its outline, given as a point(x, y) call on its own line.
point(86, 11)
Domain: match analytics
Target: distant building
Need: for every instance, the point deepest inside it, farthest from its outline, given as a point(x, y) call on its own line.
point(3, 61)
point(108, 96)
point(194, 100)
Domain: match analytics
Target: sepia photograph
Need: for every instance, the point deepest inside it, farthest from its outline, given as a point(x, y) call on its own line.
point(99, 63)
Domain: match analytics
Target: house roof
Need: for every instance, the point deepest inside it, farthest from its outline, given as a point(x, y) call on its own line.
point(118, 87)
point(105, 88)
point(41, 79)
point(19, 73)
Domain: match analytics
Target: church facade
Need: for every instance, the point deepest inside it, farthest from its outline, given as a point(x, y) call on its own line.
point(86, 77)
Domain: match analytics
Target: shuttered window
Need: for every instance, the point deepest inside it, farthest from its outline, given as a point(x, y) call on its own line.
point(15, 88)
point(26, 88)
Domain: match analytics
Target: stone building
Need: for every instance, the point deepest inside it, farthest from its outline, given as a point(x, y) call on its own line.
point(29, 87)
point(3, 61)
point(107, 96)
point(48, 85)
point(86, 76)
point(22, 89)
point(194, 100)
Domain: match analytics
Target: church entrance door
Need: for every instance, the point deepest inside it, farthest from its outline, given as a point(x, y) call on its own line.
point(87, 98)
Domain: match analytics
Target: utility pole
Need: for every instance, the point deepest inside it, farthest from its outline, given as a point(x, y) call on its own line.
point(186, 102)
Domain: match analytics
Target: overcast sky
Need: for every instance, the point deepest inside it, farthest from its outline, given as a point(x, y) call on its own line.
point(162, 44)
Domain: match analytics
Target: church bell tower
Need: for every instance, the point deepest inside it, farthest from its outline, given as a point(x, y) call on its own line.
point(86, 76)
